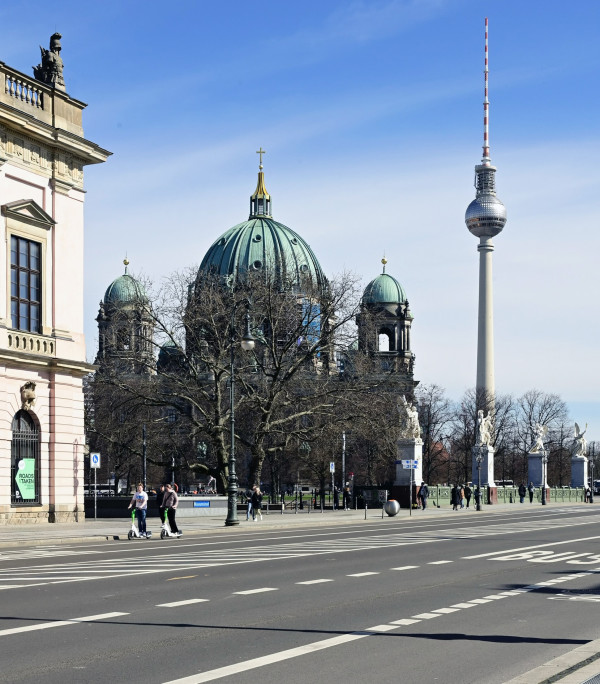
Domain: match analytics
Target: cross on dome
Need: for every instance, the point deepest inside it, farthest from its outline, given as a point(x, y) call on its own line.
point(260, 151)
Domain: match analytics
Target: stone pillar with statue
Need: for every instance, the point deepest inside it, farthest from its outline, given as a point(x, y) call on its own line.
point(579, 461)
point(409, 447)
point(537, 459)
point(482, 458)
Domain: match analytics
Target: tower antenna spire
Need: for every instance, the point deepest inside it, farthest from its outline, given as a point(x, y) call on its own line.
point(486, 105)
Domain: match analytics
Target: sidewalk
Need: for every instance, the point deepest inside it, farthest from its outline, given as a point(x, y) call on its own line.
point(116, 529)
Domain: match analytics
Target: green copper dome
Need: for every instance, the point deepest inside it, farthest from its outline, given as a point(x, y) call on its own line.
point(384, 289)
point(261, 245)
point(125, 290)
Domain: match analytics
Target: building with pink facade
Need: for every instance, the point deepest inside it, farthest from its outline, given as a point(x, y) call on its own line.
point(43, 152)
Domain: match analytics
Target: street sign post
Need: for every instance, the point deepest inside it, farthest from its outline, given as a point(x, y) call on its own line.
point(332, 471)
point(95, 464)
point(410, 464)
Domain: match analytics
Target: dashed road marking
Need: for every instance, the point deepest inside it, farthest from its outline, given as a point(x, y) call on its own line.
point(317, 581)
point(363, 574)
point(175, 604)
point(247, 592)
point(59, 623)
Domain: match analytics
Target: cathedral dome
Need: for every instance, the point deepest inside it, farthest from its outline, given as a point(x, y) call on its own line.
point(125, 290)
point(261, 245)
point(384, 289)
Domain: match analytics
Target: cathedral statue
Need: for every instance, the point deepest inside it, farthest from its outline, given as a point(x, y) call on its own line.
point(579, 443)
point(50, 71)
point(484, 429)
point(409, 420)
point(540, 432)
point(27, 396)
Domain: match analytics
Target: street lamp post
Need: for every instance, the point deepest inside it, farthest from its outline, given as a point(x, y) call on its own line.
point(544, 464)
point(479, 458)
point(144, 468)
point(247, 344)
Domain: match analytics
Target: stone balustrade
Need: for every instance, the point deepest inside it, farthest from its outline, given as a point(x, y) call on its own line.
point(23, 90)
point(34, 344)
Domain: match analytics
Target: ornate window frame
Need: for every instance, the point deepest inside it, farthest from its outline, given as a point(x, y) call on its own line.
point(26, 219)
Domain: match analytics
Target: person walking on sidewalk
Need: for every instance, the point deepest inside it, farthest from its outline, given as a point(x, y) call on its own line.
point(531, 489)
point(256, 503)
point(468, 494)
point(160, 495)
point(522, 492)
point(170, 502)
point(140, 499)
point(423, 495)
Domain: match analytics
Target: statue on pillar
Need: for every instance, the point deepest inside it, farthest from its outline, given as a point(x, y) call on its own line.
point(50, 71)
point(579, 448)
point(484, 429)
point(540, 432)
point(409, 420)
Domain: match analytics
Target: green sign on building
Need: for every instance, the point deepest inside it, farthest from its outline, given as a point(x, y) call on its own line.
point(25, 478)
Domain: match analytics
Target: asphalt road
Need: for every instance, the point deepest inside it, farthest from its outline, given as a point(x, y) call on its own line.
point(466, 598)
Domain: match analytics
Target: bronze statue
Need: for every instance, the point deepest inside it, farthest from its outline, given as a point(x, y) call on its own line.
point(50, 71)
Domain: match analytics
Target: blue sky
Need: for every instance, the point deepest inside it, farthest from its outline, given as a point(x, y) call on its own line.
point(371, 115)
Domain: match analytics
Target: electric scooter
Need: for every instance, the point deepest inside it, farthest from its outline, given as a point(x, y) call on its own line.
point(134, 532)
point(165, 530)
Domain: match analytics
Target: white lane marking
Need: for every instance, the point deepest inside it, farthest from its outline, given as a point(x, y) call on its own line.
point(363, 574)
point(480, 600)
point(442, 562)
point(569, 597)
point(255, 591)
point(174, 604)
point(495, 597)
point(528, 548)
point(319, 581)
point(463, 605)
point(406, 567)
point(404, 622)
point(59, 623)
point(381, 628)
point(446, 610)
point(255, 663)
point(426, 616)
point(511, 593)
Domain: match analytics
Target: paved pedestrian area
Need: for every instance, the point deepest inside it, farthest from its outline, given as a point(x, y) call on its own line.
point(117, 528)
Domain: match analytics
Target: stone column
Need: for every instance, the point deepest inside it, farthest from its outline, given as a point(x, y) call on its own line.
point(579, 471)
point(487, 465)
point(535, 469)
point(409, 449)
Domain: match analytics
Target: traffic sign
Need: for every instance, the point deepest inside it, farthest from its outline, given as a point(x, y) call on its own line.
point(95, 460)
point(331, 467)
point(410, 464)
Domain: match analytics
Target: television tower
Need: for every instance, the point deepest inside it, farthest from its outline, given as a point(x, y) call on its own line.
point(485, 218)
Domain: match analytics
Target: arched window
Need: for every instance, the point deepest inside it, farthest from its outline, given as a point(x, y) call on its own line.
point(385, 343)
point(25, 460)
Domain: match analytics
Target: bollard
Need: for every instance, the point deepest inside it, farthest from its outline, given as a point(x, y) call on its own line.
point(365, 510)
point(282, 506)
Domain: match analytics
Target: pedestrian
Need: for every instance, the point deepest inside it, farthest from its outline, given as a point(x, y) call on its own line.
point(522, 492)
point(478, 498)
point(160, 495)
point(531, 489)
point(468, 494)
point(454, 497)
point(336, 498)
point(587, 494)
point(249, 511)
point(256, 503)
point(170, 503)
point(461, 495)
point(346, 498)
point(140, 499)
point(423, 495)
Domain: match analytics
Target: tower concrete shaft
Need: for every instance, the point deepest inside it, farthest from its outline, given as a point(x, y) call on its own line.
point(485, 327)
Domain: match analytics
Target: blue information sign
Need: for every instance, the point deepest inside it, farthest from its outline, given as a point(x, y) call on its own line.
point(201, 504)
